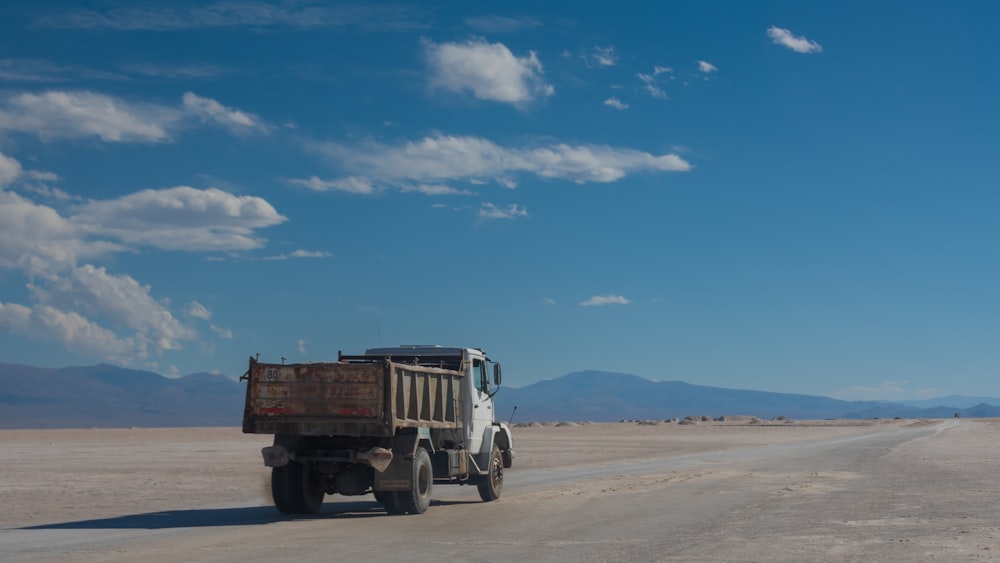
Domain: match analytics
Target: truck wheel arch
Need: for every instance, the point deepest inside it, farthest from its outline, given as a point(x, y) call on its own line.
point(500, 435)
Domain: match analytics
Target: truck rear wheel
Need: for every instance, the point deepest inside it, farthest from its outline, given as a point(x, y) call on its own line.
point(296, 489)
point(389, 500)
point(492, 483)
point(418, 498)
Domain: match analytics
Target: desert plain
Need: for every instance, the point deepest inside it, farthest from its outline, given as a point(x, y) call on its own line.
point(874, 490)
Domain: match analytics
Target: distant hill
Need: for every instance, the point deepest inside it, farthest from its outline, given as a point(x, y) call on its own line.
point(108, 396)
point(604, 397)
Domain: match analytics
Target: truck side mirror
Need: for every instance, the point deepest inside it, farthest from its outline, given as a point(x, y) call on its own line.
point(496, 374)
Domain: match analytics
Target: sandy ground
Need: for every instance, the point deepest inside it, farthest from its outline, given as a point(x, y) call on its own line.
point(831, 490)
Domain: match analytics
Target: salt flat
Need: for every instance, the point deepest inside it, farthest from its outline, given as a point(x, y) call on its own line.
point(899, 490)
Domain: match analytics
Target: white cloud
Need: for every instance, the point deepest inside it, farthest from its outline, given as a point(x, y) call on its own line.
point(311, 254)
point(119, 299)
point(354, 185)
point(512, 211)
point(299, 254)
point(548, 301)
point(211, 111)
point(489, 70)
point(69, 115)
point(615, 103)
point(35, 238)
point(10, 169)
point(198, 311)
point(652, 85)
point(449, 158)
point(241, 13)
point(603, 56)
point(785, 38)
point(59, 114)
point(601, 300)
point(302, 346)
point(658, 70)
point(180, 218)
point(84, 307)
point(706, 67)
point(222, 332)
point(434, 189)
point(69, 329)
point(69, 307)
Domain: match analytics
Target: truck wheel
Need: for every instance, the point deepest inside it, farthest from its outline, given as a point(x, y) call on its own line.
point(418, 498)
point(296, 489)
point(389, 500)
point(492, 483)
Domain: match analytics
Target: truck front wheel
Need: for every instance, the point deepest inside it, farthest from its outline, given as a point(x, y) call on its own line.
point(296, 489)
point(492, 483)
point(418, 498)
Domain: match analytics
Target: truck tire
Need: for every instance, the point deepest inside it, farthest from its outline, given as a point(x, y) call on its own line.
point(389, 500)
point(492, 483)
point(418, 498)
point(296, 489)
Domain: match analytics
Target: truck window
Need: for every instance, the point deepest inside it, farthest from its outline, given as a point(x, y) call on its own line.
point(478, 372)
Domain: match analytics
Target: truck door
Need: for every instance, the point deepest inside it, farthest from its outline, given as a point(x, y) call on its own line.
point(482, 404)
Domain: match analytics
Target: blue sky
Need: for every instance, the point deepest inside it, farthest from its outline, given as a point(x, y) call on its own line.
point(784, 196)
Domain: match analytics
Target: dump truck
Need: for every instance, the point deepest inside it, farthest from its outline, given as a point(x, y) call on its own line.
point(391, 421)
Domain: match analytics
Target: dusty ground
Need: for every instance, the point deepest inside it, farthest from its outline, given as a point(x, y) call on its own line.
point(831, 490)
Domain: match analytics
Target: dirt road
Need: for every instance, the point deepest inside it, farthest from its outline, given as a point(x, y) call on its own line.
point(878, 490)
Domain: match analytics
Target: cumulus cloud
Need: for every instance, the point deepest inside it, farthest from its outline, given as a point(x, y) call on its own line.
point(35, 238)
point(451, 158)
point(9, 170)
point(69, 329)
point(119, 299)
point(85, 307)
point(77, 114)
point(706, 67)
point(72, 307)
point(59, 114)
point(490, 71)
point(785, 38)
point(513, 211)
point(180, 218)
point(601, 300)
point(615, 103)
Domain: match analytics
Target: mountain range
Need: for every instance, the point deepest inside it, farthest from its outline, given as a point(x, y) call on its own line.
point(108, 396)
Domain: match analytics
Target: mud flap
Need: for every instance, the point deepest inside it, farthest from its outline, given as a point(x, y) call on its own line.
point(398, 476)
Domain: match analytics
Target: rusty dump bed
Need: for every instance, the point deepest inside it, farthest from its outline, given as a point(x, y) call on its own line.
point(369, 398)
